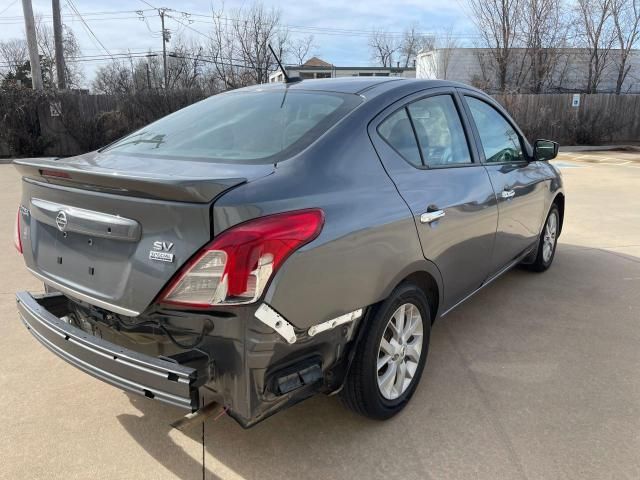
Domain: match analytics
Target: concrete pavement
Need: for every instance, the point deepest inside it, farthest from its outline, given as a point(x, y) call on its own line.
point(535, 377)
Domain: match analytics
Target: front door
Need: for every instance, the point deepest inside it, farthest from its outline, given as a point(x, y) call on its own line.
point(519, 184)
point(423, 144)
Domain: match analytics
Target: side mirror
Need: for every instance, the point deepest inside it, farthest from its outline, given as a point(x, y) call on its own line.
point(544, 150)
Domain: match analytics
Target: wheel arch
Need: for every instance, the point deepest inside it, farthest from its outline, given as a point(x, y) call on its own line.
point(425, 275)
point(422, 273)
point(430, 288)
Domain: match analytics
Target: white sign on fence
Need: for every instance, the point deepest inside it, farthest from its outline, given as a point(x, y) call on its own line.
point(575, 102)
point(55, 109)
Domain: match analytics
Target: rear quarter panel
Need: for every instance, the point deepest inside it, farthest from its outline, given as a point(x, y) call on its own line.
point(369, 241)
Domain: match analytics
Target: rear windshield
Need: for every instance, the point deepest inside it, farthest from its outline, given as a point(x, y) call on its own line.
point(240, 127)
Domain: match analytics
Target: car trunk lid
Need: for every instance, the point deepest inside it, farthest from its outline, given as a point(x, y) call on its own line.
point(182, 180)
point(113, 230)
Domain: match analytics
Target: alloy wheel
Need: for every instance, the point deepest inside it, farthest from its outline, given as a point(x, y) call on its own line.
point(399, 351)
point(549, 238)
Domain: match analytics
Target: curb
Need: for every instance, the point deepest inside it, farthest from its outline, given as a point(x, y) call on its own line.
point(599, 148)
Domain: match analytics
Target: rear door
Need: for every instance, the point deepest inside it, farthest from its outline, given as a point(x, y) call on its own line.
point(423, 144)
point(519, 184)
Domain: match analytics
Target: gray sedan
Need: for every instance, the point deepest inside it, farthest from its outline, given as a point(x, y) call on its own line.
point(281, 240)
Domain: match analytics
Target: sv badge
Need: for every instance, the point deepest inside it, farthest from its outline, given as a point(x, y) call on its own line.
point(161, 251)
point(162, 246)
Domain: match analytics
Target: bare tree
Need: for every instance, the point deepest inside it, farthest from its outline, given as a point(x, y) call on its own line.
point(185, 65)
point(13, 55)
point(185, 71)
point(413, 42)
point(114, 78)
point(438, 55)
point(626, 20)
point(300, 49)
point(447, 45)
point(498, 22)
point(544, 32)
point(384, 47)
point(483, 81)
point(256, 28)
point(239, 45)
point(225, 52)
point(71, 48)
point(596, 28)
point(74, 75)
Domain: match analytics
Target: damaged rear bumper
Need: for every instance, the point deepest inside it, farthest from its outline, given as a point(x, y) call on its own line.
point(152, 377)
point(189, 359)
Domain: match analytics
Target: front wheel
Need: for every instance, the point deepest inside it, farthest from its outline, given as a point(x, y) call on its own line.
point(389, 361)
point(548, 242)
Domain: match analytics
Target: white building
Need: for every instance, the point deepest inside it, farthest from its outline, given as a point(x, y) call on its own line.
point(317, 68)
point(569, 69)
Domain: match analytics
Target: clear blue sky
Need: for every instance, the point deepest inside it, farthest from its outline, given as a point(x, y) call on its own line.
point(303, 18)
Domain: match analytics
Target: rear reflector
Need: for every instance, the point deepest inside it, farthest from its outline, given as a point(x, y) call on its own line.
point(17, 234)
point(236, 266)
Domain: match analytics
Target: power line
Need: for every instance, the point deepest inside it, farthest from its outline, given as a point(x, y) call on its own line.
point(100, 58)
point(87, 27)
point(209, 59)
point(126, 56)
point(207, 19)
point(85, 14)
point(319, 30)
point(71, 16)
point(147, 3)
point(166, 35)
point(189, 27)
point(9, 6)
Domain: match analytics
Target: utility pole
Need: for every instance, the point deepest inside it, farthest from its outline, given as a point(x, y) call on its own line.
point(32, 43)
point(57, 38)
point(133, 73)
point(165, 39)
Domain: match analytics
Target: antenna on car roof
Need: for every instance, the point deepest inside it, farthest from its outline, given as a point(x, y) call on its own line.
point(287, 78)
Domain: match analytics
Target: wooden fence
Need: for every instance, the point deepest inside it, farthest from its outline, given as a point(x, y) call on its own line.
point(87, 122)
point(69, 123)
point(599, 118)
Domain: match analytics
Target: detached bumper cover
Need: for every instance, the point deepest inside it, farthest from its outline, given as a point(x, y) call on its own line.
point(153, 377)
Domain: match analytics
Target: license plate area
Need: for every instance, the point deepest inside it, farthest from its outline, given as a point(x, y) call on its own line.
point(94, 263)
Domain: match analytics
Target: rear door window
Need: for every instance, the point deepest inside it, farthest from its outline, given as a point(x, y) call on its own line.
point(398, 132)
point(439, 131)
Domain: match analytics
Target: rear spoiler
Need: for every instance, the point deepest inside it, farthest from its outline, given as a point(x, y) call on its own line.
point(138, 184)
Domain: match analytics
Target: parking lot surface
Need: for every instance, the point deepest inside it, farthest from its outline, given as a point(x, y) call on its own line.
point(537, 376)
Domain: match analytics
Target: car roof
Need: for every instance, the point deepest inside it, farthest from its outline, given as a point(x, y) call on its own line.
point(366, 86)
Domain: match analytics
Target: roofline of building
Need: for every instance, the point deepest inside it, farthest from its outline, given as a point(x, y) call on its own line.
point(486, 49)
point(333, 67)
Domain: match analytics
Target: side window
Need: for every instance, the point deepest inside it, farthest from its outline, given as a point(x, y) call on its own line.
point(500, 142)
point(398, 133)
point(439, 130)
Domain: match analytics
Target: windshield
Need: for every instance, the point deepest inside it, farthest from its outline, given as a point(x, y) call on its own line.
point(240, 127)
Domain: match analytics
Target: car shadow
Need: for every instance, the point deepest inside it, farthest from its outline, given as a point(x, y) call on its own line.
point(454, 410)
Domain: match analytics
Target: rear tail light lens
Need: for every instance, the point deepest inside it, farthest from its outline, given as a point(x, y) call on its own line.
point(17, 238)
point(236, 267)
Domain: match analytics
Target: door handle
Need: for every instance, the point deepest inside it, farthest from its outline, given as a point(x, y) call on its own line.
point(429, 217)
point(508, 193)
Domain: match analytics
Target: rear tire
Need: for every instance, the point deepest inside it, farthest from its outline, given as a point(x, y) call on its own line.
point(389, 360)
point(548, 242)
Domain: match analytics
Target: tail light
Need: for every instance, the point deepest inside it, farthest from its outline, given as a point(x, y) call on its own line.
point(235, 267)
point(17, 238)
